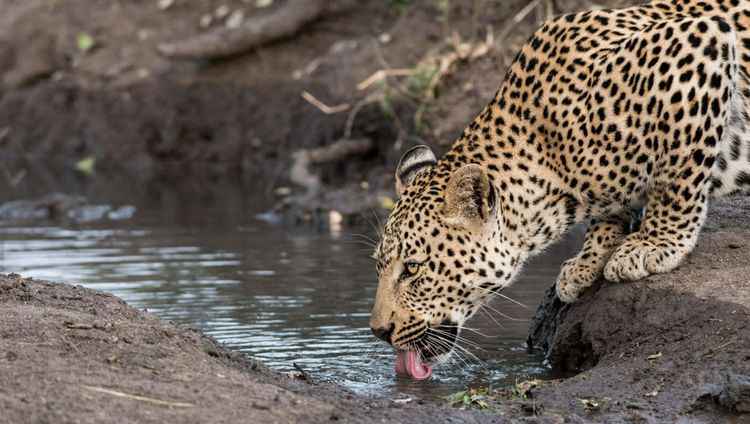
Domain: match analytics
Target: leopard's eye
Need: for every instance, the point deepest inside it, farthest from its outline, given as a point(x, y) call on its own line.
point(410, 268)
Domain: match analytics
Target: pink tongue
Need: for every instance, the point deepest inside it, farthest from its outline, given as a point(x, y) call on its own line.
point(408, 362)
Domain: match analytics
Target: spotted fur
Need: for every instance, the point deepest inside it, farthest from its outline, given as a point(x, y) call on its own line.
point(600, 114)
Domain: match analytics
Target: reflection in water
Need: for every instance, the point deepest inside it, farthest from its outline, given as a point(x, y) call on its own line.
point(283, 295)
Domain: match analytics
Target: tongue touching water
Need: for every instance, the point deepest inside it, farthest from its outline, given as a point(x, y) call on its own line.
point(200, 255)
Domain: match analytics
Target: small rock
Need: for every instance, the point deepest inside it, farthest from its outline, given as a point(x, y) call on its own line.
point(206, 21)
point(654, 356)
point(222, 11)
point(123, 212)
point(294, 374)
point(282, 191)
point(235, 19)
point(115, 360)
point(335, 218)
point(165, 4)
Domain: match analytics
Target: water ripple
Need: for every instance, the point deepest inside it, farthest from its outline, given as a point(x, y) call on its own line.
point(284, 297)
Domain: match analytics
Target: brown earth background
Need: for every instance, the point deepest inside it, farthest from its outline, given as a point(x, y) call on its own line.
point(115, 98)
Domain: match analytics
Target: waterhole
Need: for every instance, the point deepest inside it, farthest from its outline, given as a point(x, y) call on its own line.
point(200, 254)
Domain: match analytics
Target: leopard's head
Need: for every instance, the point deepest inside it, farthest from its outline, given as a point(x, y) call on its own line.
point(442, 253)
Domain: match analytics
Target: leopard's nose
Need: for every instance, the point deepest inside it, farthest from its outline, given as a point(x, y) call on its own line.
point(383, 333)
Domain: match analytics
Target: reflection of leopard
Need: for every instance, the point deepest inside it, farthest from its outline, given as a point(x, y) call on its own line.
point(601, 113)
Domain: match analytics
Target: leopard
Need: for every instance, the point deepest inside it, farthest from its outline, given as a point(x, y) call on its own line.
point(602, 114)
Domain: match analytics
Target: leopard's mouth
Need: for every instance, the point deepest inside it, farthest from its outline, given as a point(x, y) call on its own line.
point(434, 347)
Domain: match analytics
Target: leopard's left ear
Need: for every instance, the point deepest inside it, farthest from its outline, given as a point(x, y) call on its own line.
point(469, 197)
point(412, 163)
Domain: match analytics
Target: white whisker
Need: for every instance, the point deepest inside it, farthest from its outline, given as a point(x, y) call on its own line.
point(457, 337)
point(486, 305)
point(379, 230)
point(474, 330)
point(497, 293)
point(459, 348)
point(481, 309)
point(447, 347)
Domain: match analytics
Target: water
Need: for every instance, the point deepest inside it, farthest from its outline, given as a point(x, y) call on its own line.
point(198, 254)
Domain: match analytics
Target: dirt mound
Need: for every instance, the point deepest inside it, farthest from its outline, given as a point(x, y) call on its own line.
point(670, 346)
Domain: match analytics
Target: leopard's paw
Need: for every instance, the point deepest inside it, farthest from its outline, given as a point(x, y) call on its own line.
point(628, 262)
point(576, 275)
point(660, 260)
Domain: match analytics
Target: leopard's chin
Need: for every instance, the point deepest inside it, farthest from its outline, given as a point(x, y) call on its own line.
point(438, 343)
point(440, 358)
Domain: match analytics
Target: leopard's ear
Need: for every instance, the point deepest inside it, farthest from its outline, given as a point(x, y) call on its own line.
point(411, 164)
point(469, 197)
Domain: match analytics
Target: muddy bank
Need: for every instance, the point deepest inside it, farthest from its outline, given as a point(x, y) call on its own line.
point(129, 106)
point(116, 99)
point(69, 354)
point(674, 346)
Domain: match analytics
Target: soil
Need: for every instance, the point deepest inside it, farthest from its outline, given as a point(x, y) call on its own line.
point(132, 109)
point(660, 349)
point(70, 354)
point(671, 347)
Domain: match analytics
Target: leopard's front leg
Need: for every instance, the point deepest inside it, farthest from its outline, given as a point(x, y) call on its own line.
point(668, 234)
point(581, 271)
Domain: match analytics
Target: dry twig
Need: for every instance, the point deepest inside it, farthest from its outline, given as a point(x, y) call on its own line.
point(136, 397)
point(717, 348)
point(382, 74)
point(328, 110)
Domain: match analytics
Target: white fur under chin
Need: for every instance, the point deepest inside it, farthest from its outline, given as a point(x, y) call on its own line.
point(442, 358)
